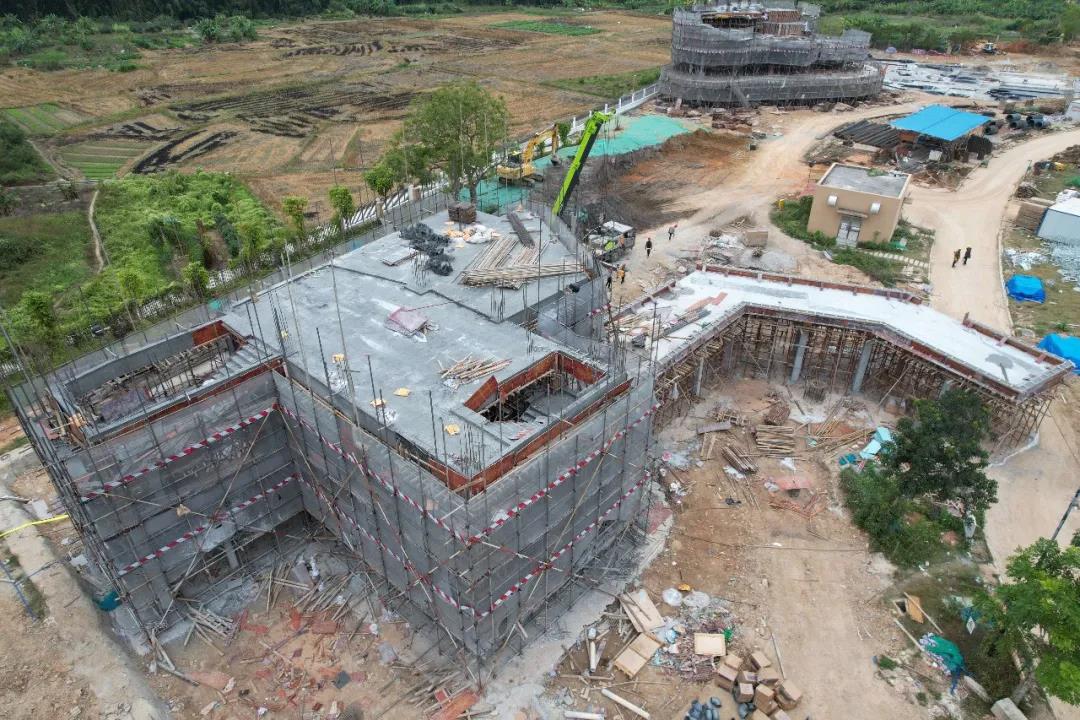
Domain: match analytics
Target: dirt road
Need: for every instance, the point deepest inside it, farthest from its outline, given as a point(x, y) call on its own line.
point(774, 169)
point(1034, 486)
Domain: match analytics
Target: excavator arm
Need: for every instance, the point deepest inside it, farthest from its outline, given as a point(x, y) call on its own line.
point(588, 137)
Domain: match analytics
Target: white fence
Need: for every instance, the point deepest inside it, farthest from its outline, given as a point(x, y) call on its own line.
point(623, 105)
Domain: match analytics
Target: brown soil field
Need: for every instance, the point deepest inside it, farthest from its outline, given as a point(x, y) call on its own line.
point(307, 97)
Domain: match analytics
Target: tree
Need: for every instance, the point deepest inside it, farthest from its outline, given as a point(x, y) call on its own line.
point(939, 452)
point(459, 127)
point(252, 242)
point(197, 279)
point(294, 207)
point(38, 308)
point(131, 290)
point(1070, 21)
point(380, 179)
point(342, 202)
point(7, 202)
point(1037, 615)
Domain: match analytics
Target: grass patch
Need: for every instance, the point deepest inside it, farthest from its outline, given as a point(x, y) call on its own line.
point(56, 251)
point(20, 163)
point(29, 590)
point(42, 120)
point(887, 272)
point(128, 209)
point(101, 160)
point(1061, 311)
point(792, 218)
point(548, 27)
point(608, 86)
point(14, 444)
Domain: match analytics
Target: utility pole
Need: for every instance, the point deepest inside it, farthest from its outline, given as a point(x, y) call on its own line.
point(1073, 504)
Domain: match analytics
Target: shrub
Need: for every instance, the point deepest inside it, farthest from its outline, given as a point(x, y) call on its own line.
point(14, 251)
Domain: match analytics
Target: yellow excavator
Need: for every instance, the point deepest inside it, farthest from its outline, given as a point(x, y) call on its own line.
point(519, 165)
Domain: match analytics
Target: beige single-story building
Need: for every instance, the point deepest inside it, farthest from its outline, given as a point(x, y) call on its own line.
point(857, 204)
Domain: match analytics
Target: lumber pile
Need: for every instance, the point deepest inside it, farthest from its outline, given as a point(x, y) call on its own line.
point(738, 459)
point(774, 441)
point(469, 369)
point(514, 276)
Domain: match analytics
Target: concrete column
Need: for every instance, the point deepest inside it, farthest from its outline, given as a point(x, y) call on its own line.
point(860, 370)
point(230, 554)
point(700, 375)
point(800, 353)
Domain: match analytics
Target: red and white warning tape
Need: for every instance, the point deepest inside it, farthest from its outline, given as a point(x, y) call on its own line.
point(505, 516)
point(425, 578)
point(204, 443)
point(200, 529)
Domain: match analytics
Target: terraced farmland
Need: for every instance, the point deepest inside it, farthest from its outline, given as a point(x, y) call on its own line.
point(101, 159)
point(45, 119)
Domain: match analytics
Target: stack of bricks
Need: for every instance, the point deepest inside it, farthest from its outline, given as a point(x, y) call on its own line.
point(755, 683)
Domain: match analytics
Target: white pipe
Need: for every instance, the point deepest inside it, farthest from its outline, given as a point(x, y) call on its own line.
point(579, 715)
point(625, 703)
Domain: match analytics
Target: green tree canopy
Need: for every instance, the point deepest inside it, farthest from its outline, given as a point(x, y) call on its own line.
point(455, 129)
point(38, 309)
point(294, 207)
point(342, 202)
point(939, 452)
point(196, 278)
point(1037, 615)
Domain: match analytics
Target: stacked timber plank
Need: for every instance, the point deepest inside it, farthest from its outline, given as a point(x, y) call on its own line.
point(499, 265)
point(738, 459)
point(772, 441)
point(470, 369)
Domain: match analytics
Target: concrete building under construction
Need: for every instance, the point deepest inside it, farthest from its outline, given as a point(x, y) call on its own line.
point(764, 53)
point(458, 409)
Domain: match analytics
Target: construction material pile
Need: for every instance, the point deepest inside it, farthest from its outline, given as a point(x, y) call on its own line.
point(425, 240)
point(508, 263)
point(470, 369)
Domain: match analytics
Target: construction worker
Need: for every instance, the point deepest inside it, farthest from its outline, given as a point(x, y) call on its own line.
point(956, 257)
point(671, 232)
point(608, 281)
point(622, 274)
point(967, 255)
point(648, 247)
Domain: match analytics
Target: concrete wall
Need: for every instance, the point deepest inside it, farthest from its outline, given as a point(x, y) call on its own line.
point(878, 227)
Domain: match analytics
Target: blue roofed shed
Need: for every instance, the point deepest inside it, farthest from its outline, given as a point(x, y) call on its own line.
point(941, 123)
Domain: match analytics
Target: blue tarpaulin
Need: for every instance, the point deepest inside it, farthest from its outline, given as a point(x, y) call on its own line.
point(1025, 287)
point(943, 123)
point(1065, 346)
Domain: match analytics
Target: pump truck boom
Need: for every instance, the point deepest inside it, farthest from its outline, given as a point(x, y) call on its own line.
point(573, 173)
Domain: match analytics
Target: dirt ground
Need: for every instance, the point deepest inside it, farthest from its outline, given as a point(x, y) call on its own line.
point(809, 583)
point(307, 98)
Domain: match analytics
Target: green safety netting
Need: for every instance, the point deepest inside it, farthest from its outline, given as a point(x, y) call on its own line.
point(946, 651)
point(633, 133)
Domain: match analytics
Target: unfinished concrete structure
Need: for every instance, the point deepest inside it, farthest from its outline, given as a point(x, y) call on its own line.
point(455, 413)
point(754, 53)
point(720, 322)
point(348, 400)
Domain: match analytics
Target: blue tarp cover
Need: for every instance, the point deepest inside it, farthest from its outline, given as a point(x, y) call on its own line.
point(1025, 287)
point(943, 123)
point(1065, 346)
